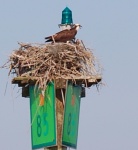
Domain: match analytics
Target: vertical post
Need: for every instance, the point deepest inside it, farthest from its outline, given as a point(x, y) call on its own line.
point(56, 148)
point(59, 116)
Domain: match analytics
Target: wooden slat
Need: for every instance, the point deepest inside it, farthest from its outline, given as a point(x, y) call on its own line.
point(88, 81)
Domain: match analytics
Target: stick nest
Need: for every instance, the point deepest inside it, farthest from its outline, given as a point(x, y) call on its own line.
point(47, 62)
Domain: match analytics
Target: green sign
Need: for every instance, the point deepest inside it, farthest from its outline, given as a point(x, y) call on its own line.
point(71, 116)
point(43, 121)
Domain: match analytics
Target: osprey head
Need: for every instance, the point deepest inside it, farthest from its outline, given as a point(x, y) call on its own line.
point(78, 26)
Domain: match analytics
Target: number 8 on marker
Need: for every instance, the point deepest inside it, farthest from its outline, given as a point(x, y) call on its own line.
point(39, 129)
point(69, 124)
point(45, 123)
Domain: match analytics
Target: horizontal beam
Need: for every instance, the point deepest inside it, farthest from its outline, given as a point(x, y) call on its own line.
point(87, 80)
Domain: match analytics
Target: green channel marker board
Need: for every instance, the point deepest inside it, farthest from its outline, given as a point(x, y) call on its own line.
point(71, 115)
point(43, 117)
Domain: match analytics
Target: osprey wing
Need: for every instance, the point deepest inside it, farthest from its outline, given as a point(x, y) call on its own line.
point(65, 35)
point(56, 36)
point(62, 36)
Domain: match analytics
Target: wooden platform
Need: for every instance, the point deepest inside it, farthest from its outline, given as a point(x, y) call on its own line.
point(60, 83)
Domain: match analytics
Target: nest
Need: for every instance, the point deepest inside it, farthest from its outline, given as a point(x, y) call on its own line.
point(47, 62)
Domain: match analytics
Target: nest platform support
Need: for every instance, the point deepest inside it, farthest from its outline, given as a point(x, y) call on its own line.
point(59, 115)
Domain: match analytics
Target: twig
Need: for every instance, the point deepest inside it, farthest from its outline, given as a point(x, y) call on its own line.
point(53, 39)
point(63, 97)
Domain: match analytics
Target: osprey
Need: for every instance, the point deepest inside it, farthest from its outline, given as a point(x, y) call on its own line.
point(65, 35)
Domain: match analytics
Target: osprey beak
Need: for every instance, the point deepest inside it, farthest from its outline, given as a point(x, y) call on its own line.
point(80, 26)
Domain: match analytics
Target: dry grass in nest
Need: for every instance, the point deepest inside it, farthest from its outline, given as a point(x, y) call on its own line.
point(47, 62)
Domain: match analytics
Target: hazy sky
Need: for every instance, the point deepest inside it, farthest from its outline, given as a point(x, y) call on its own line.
point(108, 118)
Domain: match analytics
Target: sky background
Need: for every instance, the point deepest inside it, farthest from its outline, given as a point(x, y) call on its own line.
point(108, 118)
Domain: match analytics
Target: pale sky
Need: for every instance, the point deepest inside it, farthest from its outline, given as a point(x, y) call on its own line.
point(108, 118)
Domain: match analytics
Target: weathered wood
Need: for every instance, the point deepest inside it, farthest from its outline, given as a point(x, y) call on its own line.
point(91, 78)
point(59, 111)
point(60, 83)
point(59, 115)
point(56, 148)
point(88, 81)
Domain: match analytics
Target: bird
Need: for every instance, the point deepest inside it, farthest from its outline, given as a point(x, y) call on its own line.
point(64, 35)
